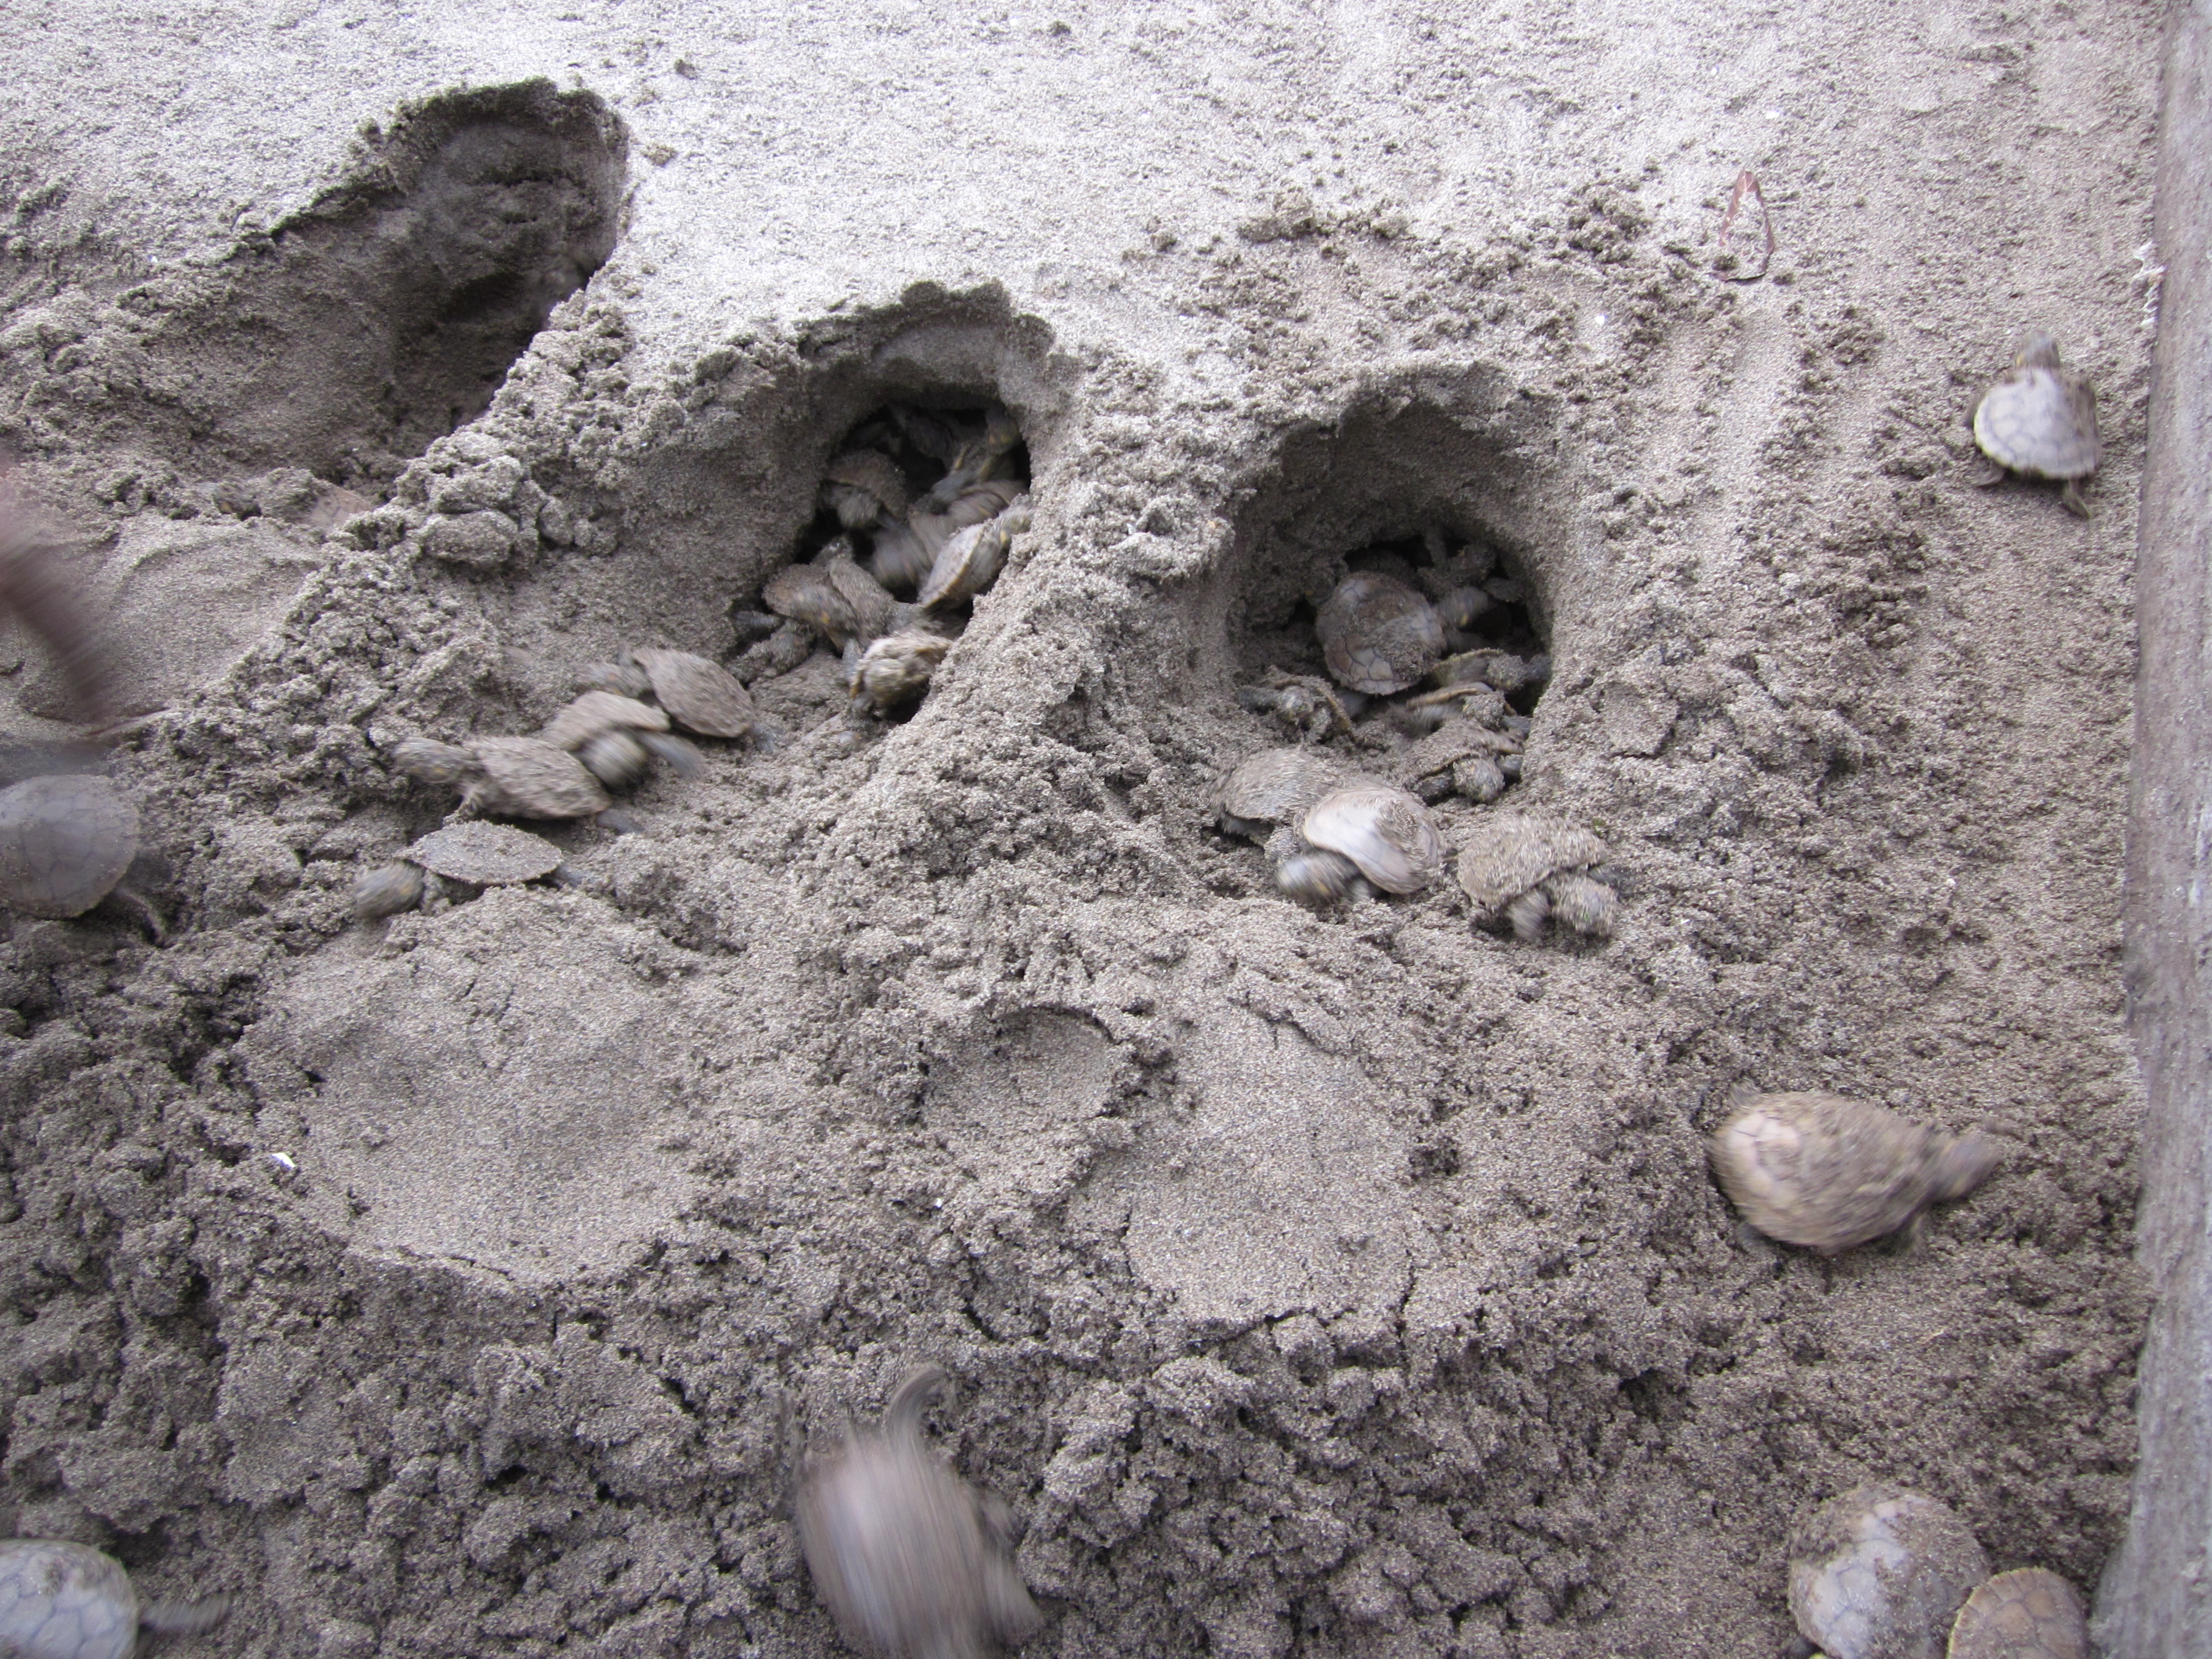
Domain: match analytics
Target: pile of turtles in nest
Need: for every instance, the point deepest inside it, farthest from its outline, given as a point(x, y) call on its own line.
point(1432, 667)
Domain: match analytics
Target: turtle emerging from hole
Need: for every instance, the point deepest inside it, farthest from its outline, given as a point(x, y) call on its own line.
point(504, 777)
point(473, 854)
point(1330, 836)
point(697, 694)
point(61, 1601)
point(1378, 636)
point(617, 736)
point(2039, 421)
point(910, 1558)
point(1531, 870)
point(1829, 1172)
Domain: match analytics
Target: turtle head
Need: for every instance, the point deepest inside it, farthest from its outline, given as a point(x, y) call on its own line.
point(1963, 1165)
point(2037, 350)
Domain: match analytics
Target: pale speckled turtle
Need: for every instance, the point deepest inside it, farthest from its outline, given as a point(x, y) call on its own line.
point(2031, 1614)
point(61, 1601)
point(895, 671)
point(1378, 636)
point(1366, 829)
point(473, 854)
point(65, 842)
point(2039, 421)
point(1880, 1573)
point(615, 737)
point(970, 561)
point(699, 695)
point(506, 777)
point(1829, 1172)
point(864, 487)
point(909, 1557)
point(1530, 869)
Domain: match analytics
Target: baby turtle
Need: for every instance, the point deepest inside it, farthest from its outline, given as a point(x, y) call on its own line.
point(615, 737)
point(1829, 1172)
point(806, 595)
point(864, 487)
point(981, 456)
point(895, 671)
point(1530, 870)
point(1366, 828)
point(909, 1557)
point(699, 695)
point(2031, 1614)
point(64, 844)
point(1273, 786)
point(971, 560)
point(1308, 706)
point(506, 777)
point(61, 1601)
point(475, 854)
point(1880, 1573)
point(2039, 421)
point(1463, 757)
point(1377, 634)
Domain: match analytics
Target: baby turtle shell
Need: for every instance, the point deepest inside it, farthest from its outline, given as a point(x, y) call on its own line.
point(1275, 786)
point(1377, 634)
point(806, 594)
point(1528, 868)
point(896, 670)
point(1880, 1573)
point(595, 712)
point(910, 1559)
point(60, 1601)
point(65, 843)
point(1385, 832)
point(485, 854)
point(864, 486)
point(971, 560)
point(2028, 1615)
point(700, 695)
point(2040, 422)
point(1829, 1172)
point(529, 778)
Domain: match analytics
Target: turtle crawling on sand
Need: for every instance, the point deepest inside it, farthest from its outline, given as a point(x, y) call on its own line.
point(1828, 1172)
point(2039, 421)
point(1329, 834)
point(61, 1601)
point(1880, 1572)
point(504, 777)
point(697, 695)
point(895, 671)
point(909, 1557)
point(1530, 870)
point(617, 736)
point(473, 854)
point(65, 842)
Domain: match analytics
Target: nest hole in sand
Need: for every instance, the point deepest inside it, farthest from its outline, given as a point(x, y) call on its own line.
point(387, 313)
point(1449, 494)
point(735, 497)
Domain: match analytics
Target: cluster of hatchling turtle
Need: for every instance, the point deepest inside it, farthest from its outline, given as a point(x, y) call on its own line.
point(1415, 690)
point(907, 1556)
point(890, 586)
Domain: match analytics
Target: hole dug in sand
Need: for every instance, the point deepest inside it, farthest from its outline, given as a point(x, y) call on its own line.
point(387, 314)
point(736, 497)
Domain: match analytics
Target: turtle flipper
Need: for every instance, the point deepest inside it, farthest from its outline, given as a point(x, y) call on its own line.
point(2073, 500)
point(1982, 472)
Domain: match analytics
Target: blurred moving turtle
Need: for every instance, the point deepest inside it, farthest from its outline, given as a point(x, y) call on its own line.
point(504, 777)
point(2039, 421)
point(1365, 830)
point(699, 695)
point(1829, 1172)
point(65, 842)
point(2031, 1614)
point(60, 1601)
point(1270, 788)
point(909, 1557)
point(1530, 870)
point(1880, 1572)
point(895, 671)
point(475, 854)
point(617, 736)
point(1378, 636)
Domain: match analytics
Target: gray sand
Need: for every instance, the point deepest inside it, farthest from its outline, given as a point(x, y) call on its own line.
point(1341, 1283)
